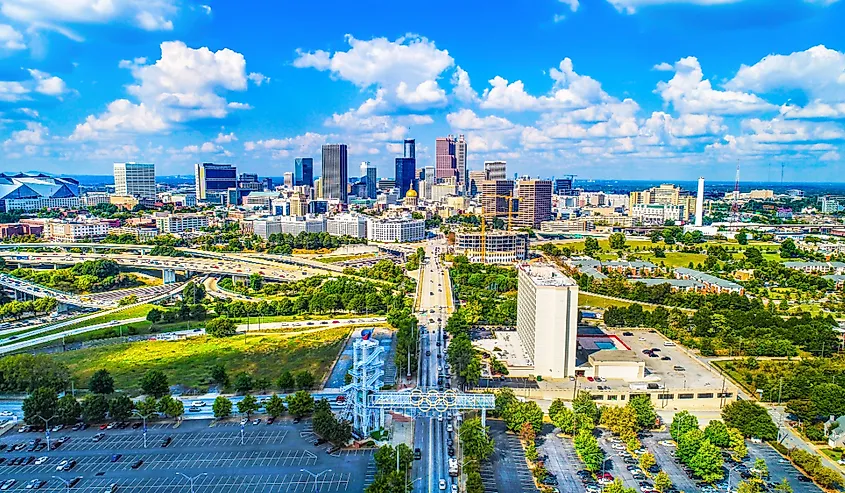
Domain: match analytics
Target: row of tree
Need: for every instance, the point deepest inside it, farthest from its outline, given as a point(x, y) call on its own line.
point(16, 309)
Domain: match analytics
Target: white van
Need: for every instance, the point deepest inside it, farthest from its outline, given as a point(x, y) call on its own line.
point(668, 343)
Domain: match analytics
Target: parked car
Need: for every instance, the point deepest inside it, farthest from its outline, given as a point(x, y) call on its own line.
point(137, 464)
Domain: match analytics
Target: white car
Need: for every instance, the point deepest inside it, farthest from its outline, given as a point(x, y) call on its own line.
point(454, 488)
point(61, 465)
point(667, 443)
point(442, 484)
point(198, 404)
point(40, 460)
point(6, 413)
point(449, 428)
point(618, 446)
point(244, 421)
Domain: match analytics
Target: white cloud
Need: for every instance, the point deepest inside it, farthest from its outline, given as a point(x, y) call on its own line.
point(184, 84)
point(573, 4)
point(558, 18)
point(506, 95)
point(689, 92)
point(52, 14)
point(258, 78)
point(631, 6)
point(461, 87)
point(308, 142)
point(11, 91)
point(466, 119)
point(206, 9)
point(830, 156)
point(663, 67)
point(47, 84)
point(792, 131)
point(33, 135)
point(225, 138)
point(10, 39)
point(404, 72)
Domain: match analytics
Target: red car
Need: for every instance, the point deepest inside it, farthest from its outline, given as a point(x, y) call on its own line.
point(103, 426)
point(608, 476)
point(590, 379)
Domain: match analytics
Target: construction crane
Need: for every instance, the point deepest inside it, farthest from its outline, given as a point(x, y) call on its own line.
point(509, 199)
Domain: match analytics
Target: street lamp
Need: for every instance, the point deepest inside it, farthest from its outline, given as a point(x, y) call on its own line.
point(143, 417)
point(65, 481)
point(46, 427)
point(730, 472)
point(315, 476)
point(192, 479)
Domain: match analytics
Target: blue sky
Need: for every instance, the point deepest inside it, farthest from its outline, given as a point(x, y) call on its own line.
point(627, 89)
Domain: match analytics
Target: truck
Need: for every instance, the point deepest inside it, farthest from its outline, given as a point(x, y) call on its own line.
point(453, 467)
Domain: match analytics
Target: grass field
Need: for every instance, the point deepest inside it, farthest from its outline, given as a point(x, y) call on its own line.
point(333, 259)
point(188, 362)
point(296, 318)
point(599, 302)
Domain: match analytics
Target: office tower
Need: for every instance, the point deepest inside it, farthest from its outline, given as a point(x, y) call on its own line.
point(494, 202)
point(303, 171)
point(135, 179)
point(214, 179)
point(699, 203)
point(535, 203)
point(318, 188)
point(496, 170)
point(564, 186)
point(335, 181)
point(547, 318)
point(249, 181)
point(287, 178)
point(368, 173)
point(406, 168)
point(461, 164)
point(444, 157)
point(475, 179)
point(666, 194)
point(267, 183)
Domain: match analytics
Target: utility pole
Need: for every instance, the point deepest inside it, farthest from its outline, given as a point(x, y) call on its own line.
point(46, 427)
point(192, 479)
point(144, 418)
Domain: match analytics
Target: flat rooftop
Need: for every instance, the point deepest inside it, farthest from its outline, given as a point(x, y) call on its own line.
point(545, 274)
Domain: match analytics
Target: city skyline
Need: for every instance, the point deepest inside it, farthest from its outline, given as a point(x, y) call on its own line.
point(673, 92)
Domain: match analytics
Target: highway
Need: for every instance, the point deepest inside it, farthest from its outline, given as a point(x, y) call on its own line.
point(430, 432)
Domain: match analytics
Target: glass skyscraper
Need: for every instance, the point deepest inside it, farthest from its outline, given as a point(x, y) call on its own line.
point(303, 171)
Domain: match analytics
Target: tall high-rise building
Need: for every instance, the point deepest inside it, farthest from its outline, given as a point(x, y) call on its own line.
point(135, 179)
point(547, 319)
point(406, 168)
point(335, 170)
point(564, 186)
point(493, 198)
point(496, 170)
point(461, 164)
point(476, 178)
point(303, 171)
point(535, 203)
point(368, 176)
point(288, 179)
point(214, 178)
point(249, 181)
point(445, 160)
point(318, 188)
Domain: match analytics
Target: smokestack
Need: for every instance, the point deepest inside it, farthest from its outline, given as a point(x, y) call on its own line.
point(699, 204)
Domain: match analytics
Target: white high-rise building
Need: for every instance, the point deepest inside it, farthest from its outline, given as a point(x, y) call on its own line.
point(699, 204)
point(496, 170)
point(135, 180)
point(547, 319)
point(352, 225)
point(461, 163)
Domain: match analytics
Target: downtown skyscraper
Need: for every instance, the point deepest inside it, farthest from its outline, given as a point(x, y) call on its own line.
point(335, 172)
point(303, 171)
point(406, 168)
point(461, 164)
point(445, 159)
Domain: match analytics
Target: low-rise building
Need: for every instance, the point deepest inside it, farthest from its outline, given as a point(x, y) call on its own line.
point(396, 229)
point(75, 231)
point(501, 247)
point(816, 267)
point(288, 225)
point(20, 229)
point(658, 213)
point(711, 283)
point(353, 225)
point(140, 233)
point(180, 223)
point(91, 199)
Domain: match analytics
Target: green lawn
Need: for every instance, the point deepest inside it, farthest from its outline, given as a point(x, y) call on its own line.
point(333, 259)
point(585, 299)
point(297, 318)
point(833, 454)
point(188, 362)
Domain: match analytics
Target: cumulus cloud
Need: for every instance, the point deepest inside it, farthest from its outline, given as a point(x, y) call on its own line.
point(466, 119)
point(184, 84)
point(34, 134)
point(48, 84)
point(39, 82)
point(461, 87)
point(11, 39)
point(225, 138)
point(689, 92)
point(258, 79)
point(404, 72)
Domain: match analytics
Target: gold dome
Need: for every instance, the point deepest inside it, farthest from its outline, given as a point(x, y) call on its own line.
point(411, 193)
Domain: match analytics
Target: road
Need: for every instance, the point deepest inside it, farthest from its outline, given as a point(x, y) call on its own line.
point(430, 432)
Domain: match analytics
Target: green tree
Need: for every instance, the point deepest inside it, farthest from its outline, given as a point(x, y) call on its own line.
point(584, 404)
point(562, 417)
point(94, 408)
point(828, 400)
point(475, 440)
point(154, 316)
point(662, 482)
point(120, 407)
point(147, 406)
point(750, 418)
point(219, 375)
point(243, 383)
point(761, 469)
point(707, 462)
point(788, 249)
point(742, 238)
point(222, 407)
point(617, 241)
point(783, 486)
point(220, 327)
point(688, 444)
point(519, 413)
point(504, 398)
point(275, 406)
point(589, 451)
point(68, 410)
point(300, 404)
point(591, 246)
point(256, 282)
point(286, 381)
point(737, 444)
point(248, 405)
point(646, 417)
point(173, 407)
point(101, 382)
point(304, 380)
point(154, 383)
point(647, 461)
point(682, 423)
point(617, 487)
point(717, 432)
point(474, 484)
point(41, 402)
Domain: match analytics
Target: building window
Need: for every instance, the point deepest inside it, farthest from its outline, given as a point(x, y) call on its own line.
point(622, 397)
point(598, 397)
point(708, 395)
point(613, 397)
point(725, 395)
point(686, 396)
point(665, 397)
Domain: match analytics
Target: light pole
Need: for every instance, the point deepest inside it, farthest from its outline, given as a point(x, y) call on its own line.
point(144, 418)
point(65, 481)
point(192, 479)
point(46, 427)
point(730, 472)
point(315, 476)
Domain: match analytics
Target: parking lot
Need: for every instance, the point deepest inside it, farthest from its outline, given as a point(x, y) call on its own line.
point(780, 468)
point(277, 457)
point(506, 471)
point(562, 461)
